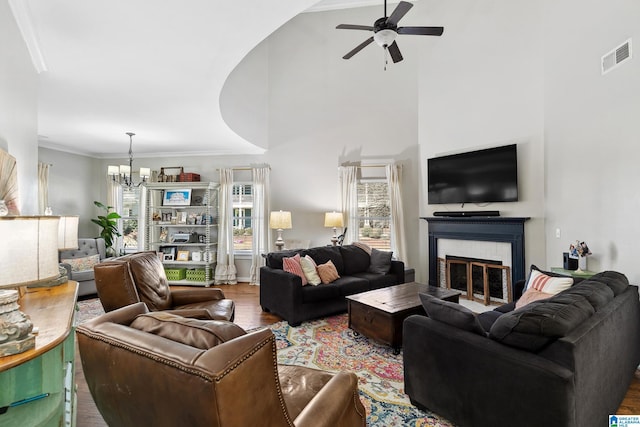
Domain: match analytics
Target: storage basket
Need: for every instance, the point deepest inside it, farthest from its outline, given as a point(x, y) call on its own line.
point(175, 273)
point(197, 274)
point(189, 177)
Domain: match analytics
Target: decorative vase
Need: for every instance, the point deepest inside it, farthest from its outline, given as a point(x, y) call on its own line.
point(582, 263)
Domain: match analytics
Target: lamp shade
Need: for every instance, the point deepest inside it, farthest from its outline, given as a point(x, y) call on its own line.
point(29, 250)
point(280, 220)
point(333, 219)
point(68, 232)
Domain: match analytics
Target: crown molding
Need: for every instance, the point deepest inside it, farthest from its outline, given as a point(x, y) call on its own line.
point(22, 15)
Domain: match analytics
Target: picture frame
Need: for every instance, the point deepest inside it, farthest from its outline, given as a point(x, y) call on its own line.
point(183, 256)
point(177, 197)
point(168, 253)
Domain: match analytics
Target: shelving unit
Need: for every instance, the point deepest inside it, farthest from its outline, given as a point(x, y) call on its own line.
point(181, 221)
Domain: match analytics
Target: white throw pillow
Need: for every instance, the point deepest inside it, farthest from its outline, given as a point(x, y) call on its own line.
point(547, 284)
point(309, 270)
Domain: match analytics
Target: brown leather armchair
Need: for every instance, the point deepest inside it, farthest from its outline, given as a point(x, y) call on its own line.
point(140, 277)
point(162, 370)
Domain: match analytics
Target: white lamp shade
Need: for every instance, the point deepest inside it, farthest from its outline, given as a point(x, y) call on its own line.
point(68, 232)
point(125, 169)
point(29, 250)
point(333, 219)
point(280, 220)
point(113, 170)
point(145, 172)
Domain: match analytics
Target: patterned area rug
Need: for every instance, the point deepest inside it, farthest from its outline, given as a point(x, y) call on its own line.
point(329, 344)
point(88, 309)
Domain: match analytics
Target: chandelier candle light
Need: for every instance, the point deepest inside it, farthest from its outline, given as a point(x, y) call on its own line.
point(280, 220)
point(122, 174)
point(334, 220)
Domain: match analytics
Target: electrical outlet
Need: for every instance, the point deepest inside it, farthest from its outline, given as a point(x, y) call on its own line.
point(557, 233)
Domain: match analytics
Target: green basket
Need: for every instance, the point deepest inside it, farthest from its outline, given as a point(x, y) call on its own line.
point(197, 274)
point(175, 273)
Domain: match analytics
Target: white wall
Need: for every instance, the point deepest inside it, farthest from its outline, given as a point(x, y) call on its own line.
point(324, 111)
point(481, 85)
point(592, 132)
point(18, 109)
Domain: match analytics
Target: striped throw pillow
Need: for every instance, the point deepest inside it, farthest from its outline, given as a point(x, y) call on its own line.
point(292, 265)
point(548, 284)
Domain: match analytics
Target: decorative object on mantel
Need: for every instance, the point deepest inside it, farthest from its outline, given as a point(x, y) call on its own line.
point(166, 176)
point(580, 250)
point(28, 256)
point(334, 219)
point(280, 220)
point(122, 174)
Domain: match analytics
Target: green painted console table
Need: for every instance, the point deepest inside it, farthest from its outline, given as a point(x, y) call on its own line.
point(37, 387)
point(582, 274)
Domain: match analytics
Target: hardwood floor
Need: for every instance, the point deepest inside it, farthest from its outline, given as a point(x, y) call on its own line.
point(249, 315)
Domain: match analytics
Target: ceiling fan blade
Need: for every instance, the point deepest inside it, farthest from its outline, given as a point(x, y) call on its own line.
point(400, 10)
point(394, 51)
point(358, 48)
point(354, 27)
point(421, 31)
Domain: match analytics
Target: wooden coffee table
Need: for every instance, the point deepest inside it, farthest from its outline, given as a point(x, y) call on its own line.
point(379, 314)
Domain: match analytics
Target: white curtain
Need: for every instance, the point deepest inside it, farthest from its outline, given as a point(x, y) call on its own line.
point(349, 193)
point(43, 187)
point(398, 241)
point(226, 267)
point(260, 221)
point(114, 199)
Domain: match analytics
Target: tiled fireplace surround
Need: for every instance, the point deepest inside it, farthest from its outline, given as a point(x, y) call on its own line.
point(494, 238)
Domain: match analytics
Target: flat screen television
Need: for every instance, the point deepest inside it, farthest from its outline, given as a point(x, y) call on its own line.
point(481, 176)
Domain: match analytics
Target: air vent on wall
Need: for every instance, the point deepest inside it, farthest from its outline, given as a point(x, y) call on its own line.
point(616, 57)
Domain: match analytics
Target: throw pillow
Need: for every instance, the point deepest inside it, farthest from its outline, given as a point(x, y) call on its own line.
point(292, 265)
point(202, 334)
point(363, 246)
point(309, 269)
point(380, 261)
point(451, 313)
point(531, 295)
point(328, 272)
point(82, 264)
point(547, 284)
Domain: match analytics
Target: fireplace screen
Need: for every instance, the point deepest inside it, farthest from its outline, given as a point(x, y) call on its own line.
point(485, 281)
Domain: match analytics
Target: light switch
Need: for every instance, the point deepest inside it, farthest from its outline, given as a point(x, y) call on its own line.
point(557, 233)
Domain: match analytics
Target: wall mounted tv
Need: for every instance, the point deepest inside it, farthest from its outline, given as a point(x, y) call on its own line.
point(482, 176)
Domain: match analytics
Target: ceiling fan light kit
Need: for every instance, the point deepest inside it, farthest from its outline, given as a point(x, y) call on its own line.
point(385, 30)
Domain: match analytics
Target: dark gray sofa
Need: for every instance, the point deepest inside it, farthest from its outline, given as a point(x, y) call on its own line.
point(283, 294)
point(564, 361)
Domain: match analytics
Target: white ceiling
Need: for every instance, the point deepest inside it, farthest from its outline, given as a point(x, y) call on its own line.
point(153, 67)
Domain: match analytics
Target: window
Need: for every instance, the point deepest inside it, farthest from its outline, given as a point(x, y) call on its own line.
point(374, 213)
point(129, 231)
point(242, 209)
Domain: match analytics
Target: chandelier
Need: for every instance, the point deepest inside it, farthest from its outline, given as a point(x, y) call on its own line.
point(122, 174)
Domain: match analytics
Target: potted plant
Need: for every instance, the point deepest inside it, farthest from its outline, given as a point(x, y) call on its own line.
point(109, 224)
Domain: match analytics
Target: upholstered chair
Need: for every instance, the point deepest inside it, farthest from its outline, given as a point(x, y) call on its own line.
point(79, 263)
point(140, 277)
point(157, 369)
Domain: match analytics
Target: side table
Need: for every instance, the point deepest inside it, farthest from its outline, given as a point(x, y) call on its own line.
point(582, 274)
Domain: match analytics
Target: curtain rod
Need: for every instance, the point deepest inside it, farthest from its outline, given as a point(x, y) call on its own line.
point(242, 168)
point(366, 166)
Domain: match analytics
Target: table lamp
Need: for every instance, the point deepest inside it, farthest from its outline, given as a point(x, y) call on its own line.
point(28, 255)
point(334, 220)
point(279, 221)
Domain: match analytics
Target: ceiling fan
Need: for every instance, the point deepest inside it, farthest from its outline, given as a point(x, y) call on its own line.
point(385, 30)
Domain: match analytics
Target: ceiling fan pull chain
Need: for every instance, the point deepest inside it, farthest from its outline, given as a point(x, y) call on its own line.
point(386, 59)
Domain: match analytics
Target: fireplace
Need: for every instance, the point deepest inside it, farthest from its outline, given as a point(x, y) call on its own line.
point(507, 232)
